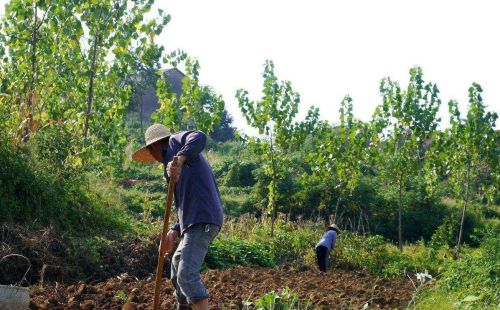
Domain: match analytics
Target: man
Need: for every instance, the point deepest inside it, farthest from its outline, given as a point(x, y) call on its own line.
point(325, 245)
point(199, 208)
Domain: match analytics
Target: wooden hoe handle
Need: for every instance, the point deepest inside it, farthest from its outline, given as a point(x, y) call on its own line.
point(166, 217)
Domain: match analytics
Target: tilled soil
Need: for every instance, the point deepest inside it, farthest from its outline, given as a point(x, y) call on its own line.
point(230, 288)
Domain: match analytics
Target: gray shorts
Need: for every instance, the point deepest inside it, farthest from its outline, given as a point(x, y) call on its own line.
point(187, 261)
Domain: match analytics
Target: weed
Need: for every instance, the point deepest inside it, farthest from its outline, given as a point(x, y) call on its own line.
point(121, 295)
point(284, 300)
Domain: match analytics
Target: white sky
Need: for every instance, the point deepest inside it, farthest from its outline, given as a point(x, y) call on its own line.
point(332, 48)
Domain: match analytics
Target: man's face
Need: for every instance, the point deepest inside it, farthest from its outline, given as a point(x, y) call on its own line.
point(156, 150)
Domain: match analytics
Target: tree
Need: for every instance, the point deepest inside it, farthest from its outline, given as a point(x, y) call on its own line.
point(198, 107)
point(343, 153)
point(402, 124)
point(140, 83)
point(472, 155)
point(272, 116)
point(116, 28)
point(26, 45)
point(224, 131)
point(65, 69)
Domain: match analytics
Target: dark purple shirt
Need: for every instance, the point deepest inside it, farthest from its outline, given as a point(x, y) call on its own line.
point(196, 194)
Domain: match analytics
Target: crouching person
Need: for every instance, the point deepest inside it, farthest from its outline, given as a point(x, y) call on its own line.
point(199, 208)
point(325, 246)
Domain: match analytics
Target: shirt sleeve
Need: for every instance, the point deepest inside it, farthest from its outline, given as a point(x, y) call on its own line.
point(334, 239)
point(195, 143)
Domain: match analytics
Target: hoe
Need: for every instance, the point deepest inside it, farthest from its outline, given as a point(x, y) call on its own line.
point(159, 266)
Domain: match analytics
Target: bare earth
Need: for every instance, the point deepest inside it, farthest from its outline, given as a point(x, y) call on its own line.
point(230, 288)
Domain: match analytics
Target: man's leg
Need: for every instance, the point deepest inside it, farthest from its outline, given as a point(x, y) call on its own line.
point(318, 258)
point(182, 303)
point(196, 241)
point(322, 253)
point(326, 256)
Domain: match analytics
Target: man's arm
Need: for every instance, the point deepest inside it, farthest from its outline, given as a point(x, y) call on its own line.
point(334, 240)
point(194, 144)
point(167, 247)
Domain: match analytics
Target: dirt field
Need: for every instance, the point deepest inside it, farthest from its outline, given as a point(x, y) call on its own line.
point(229, 288)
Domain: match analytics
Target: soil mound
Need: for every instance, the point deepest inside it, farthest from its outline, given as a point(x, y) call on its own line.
point(50, 258)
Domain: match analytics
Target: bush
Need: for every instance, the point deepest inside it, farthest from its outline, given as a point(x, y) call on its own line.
point(37, 190)
point(225, 253)
point(294, 242)
point(478, 273)
point(84, 213)
point(291, 245)
point(237, 200)
point(421, 216)
point(471, 282)
point(240, 174)
point(376, 255)
point(371, 253)
point(447, 233)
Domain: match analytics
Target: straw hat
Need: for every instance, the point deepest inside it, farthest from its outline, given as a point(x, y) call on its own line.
point(335, 227)
point(154, 133)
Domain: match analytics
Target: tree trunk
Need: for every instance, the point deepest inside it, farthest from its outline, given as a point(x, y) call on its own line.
point(463, 211)
point(32, 82)
point(141, 116)
point(90, 92)
point(273, 204)
point(367, 223)
point(337, 205)
point(361, 227)
point(400, 231)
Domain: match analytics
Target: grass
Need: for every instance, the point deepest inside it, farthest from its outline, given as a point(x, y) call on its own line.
point(294, 241)
point(471, 282)
point(95, 213)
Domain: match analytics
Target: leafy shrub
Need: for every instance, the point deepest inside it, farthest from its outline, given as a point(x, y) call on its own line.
point(224, 253)
point(376, 255)
point(34, 190)
point(291, 245)
point(237, 200)
point(421, 215)
point(471, 282)
point(447, 233)
point(240, 174)
point(478, 273)
point(358, 252)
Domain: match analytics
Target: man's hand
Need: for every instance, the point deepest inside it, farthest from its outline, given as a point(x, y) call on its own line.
point(168, 243)
point(174, 171)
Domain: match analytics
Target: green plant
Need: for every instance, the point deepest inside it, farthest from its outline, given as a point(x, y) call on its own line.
point(224, 253)
point(471, 282)
point(65, 68)
point(196, 108)
point(472, 153)
point(401, 125)
point(286, 299)
point(121, 295)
